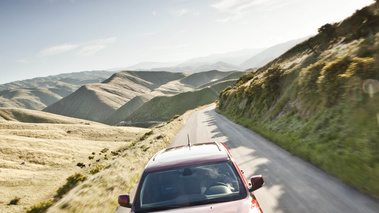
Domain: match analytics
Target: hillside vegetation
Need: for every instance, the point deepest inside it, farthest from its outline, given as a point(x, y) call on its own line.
point(39, 150)
point(320, 99)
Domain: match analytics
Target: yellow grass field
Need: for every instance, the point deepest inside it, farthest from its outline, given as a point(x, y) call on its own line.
point(36, 158)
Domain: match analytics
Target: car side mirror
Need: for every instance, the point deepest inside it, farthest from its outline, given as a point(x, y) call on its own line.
point(124, 200)
point(256, 182)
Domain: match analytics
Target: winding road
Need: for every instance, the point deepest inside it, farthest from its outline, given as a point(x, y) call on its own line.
point(291, 184)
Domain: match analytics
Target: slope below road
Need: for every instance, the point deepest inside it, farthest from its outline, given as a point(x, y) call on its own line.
point(291, 184)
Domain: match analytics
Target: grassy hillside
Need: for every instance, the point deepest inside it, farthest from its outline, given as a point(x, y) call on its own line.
point(163, 108)
point(127, 109)
point(232, 76)
point(39, 150)
point(100, 102)
point(196, 80)
point(75, 78)
point(33, 116)
point(94, 188)
point(157, 78)
point(97, 101)
point(38, 93)
point(320, 99)
point(33, 98)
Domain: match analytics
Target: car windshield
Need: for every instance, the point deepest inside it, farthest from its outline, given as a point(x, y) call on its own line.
point(188, 186)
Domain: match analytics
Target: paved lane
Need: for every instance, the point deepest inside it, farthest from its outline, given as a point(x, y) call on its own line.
point(291, 184)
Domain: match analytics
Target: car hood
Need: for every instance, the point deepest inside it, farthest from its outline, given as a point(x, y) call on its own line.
point(239, 206)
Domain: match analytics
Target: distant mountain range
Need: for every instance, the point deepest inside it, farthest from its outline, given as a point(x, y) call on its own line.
point(236, 60)
point(270, 54)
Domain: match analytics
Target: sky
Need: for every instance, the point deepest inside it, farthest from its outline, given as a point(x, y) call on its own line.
point(48, 37)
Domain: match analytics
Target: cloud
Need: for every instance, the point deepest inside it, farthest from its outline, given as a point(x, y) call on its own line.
point(95, 46)
point(172, 47)
point(88, 48)
point(236, 8)
point(57, 49)
point(181, 12)
point(152, 33)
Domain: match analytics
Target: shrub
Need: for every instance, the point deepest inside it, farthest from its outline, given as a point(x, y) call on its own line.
point(245, 78)
point(173, 118)
point(146, 135)
point(328, 32)
point(41, 207)
point(14, 201)
point(330, 84)
point(362, 67)
point(240, 92)
point(72, 181)
point(96, 169)
point(90, 157)
point(81, 165)
point(308, 80)
point(104, 150)
point(159, 137)
point(271, 86)
point(225, 93)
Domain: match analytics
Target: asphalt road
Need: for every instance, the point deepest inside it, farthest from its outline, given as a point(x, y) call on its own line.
point(291, 184)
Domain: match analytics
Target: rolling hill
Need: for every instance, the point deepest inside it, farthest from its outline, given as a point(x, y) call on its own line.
point(75, 78)
point(127, 109)
point(34, 116)
point(319, 100)
point(38, 93)
point(163, 108)
point(99, 101)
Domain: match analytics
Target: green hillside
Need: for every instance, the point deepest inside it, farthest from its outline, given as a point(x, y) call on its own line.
point(232, 76)
point(197, 80)
point(163, 108)
point(320, 100)
point(127, 109)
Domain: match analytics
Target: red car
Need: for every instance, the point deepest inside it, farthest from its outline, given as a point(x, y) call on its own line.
point(193, 178)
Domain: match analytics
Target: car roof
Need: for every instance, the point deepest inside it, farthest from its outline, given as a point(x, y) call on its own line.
point(186, 155)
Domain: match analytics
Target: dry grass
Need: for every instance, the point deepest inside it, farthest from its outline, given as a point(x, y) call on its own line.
point(99, 193)
point(36, 158)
